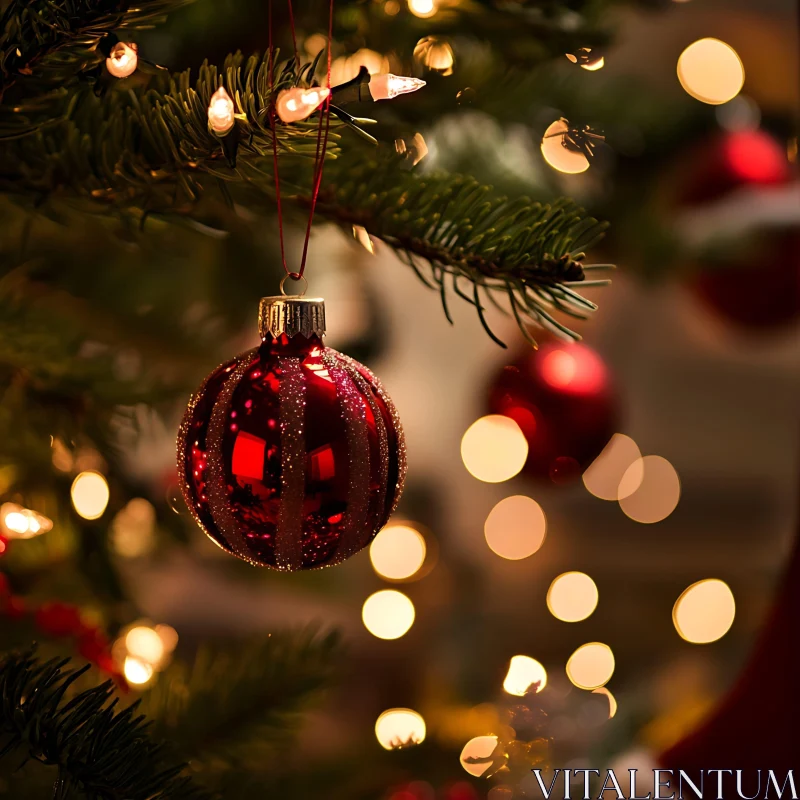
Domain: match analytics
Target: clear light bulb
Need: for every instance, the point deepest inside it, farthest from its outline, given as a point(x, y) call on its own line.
point(387, 86)
point(297, 103)
point(123, 59)
point(423, 8)
point(220, 111)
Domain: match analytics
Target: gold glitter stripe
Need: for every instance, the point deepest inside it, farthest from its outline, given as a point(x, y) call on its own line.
point(218, 495)
point(402, 459)
point(292, 398)
point(356, 532)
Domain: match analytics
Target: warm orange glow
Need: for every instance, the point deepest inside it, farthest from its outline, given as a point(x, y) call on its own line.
point(595, 65)
point(145, 644)
point(604, 475)
point(397, 552)
point(704, 612)
point(423, 8)
point(122, 60)
point(387, 86)
point(612, 701)
point(494, 449)
point(515, 528)
point(364, 239)
point(524, 671)
point(558, 156)
point(221, 112)
point(399, 727)
point(17, 522)
point(572, 597)
point(711, 71)
point(436, 54)
point(136, 671)
point(481, 747)
point(388, 614)
point(296, 104)
point(591, 666)
point(90, 494)
point(132, 531)
point(649, 490)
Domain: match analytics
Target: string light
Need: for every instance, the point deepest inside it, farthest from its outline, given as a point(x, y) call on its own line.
point(435, 54)
point(604, 474)
point(22, 523)
point(523, 672)
point(704, 612)
point(711, 71)
point(591, 666)
point(296, 104)
point(494, 449)
point(137, 672)
point(572, 597)
point(515, 528)
point(221, 114)
point(423, 8)
point(387, 86)
point(649, 490)
point(90, 494)
point(145, 644)
point(399, 727)
point(478, 749)
point(123, 59)
point(388, 614)
point(398, 552)
point(559, 157)
point(585, 58)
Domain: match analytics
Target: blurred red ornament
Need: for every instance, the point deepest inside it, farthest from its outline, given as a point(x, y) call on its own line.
point(760, 289)
point(58, 619)
point(460, 791)
point(562, 399)
point(15, 607)
point(93, 645)
point(416, 790)
point(3, 544)
point(291, 455)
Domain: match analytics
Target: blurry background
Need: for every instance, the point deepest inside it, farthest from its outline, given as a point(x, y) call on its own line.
point(686, 380)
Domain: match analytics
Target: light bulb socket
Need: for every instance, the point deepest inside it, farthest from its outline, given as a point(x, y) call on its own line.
point(353, 91)
point(290, 315)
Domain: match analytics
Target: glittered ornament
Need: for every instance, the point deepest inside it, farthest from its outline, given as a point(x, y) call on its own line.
point(562, 399)
point(291, 455)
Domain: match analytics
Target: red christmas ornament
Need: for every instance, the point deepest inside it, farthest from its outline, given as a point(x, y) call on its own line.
point(3, 544)
point(760, 289)
point(561, 397)
point(291, 455)
point(58, 619)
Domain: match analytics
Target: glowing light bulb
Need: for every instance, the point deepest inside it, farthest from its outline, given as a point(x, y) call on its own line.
point(436, 54)
point(591, 666)
point(221, 115)
point(123, 59)
point(297, 103)
point(145, 644)
point(523, 671)
point(388, 614)
point(399, 727)
point(572, 597)
point(136, 671)
point(494, 449)
point(423, 8)
point(90, 494)
point(17, 522)
point(711, 71)
point(398, 552)
point(387, 86)
point(704, 612)
point(475, 757)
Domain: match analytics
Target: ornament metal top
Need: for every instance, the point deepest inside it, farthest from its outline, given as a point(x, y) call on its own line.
point(291, 455)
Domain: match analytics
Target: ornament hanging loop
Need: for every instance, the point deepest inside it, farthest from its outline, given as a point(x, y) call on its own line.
point(297, 277)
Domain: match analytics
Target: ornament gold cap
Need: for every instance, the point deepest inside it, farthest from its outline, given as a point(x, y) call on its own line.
point(290, 315)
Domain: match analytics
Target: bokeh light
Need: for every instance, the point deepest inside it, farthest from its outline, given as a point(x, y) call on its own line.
point(612, 701)
point(388, 614)
point(132, 531)
point(711, 71)
point(399, 727)
point(705, 611)
point(423, 8)
point(515, 528)
point(603, 476)
point(559, 157)
point(478, 748)
point(522, 672)
point(90, 494)
point(435, 54)
point(591, 666)
point(494, 449)
point(398, 552)
point(145, 644)
point(572, 597)
point(136, 671)
point(649, 490)
point(17, 522)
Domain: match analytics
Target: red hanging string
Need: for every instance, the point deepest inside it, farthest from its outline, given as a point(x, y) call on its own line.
point(322, 140)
